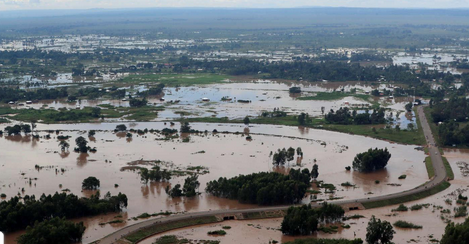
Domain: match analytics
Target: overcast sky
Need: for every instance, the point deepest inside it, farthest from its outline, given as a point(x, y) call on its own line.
point(86, 4)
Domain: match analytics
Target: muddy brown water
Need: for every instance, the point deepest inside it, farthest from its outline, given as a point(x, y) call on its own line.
point(265, 230)
point(226, 155)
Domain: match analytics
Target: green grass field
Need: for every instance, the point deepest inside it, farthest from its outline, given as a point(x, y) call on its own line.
point(449, 171)
point(403, 136)
point(429, 165)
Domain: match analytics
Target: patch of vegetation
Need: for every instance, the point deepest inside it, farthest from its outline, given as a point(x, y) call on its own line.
point(59, 205)
point(401, 208)
point(55, 230)
point(371, 160)
point(313, 191)
point(406, 225)
point(456, 233)
point(266, 188)
point(217, 232)
point(304, 220)
point(419, 206)
point(402, 177)
point(347, 184)
point(355, 216)
point(460, 211)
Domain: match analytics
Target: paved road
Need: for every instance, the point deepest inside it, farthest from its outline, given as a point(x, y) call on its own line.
point(440, 175)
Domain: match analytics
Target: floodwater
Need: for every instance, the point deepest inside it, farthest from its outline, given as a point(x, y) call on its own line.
point(264, 95)
point(265, 230)
point(226, 155)
point(436, 61)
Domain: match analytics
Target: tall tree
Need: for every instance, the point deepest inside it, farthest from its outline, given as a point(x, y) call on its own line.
point(81, 144)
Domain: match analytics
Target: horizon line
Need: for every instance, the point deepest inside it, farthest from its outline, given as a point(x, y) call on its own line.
point(233, 8)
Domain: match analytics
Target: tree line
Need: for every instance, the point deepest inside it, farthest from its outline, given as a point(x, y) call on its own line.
point(451, 113)
point(54, 230)
point(309, 71)
point(346, 116)
point(8, 94)
point(17, 215)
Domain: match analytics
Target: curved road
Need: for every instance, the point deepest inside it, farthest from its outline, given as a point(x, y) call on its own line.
point(440, 176)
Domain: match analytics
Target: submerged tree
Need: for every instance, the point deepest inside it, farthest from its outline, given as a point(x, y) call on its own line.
point(81, 144)
point(90, 183)
point(64, 145)
point(315, 172)
point(185, 127)
point(379, 231)
point(279, 157)
point(191, 184)
point(371, 160)
point(303, 119)
point(246, 120)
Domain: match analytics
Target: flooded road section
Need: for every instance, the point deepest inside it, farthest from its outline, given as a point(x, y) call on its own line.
point(222, 155)
point(431, 218)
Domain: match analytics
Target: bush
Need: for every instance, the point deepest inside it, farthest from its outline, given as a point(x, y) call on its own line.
point(402, 177)
point(401, 208)
point(347, 184)
point(217, 232)
point(407, 225)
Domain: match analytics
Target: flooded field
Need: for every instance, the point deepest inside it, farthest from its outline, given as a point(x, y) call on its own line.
point(432, 220)
point(237, 99)
point(226, 155)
